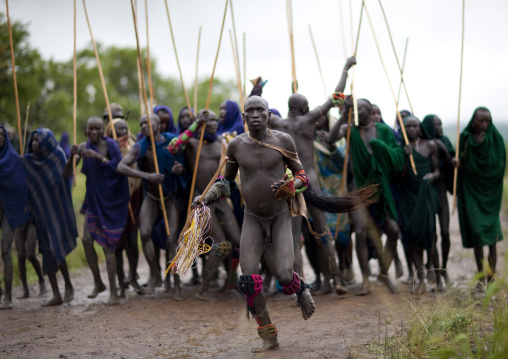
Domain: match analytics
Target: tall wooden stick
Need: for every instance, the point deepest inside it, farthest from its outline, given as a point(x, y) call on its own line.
point(193, 183)
point(148, 62)
point(344, 169)
point(244, 68)
point(342, 28)
point(26, 123)
point(355, 49)
point(75, 104)
point(236, 41)
point(196, 77)
point(152, 139)
point(99, 67)
point(391, 89)
point(455, 172)
point(177, 61)
point(403, 67)
point(14, 78)
point(289, 9)
point(237, 71)
point(396, 57)
point(351, 23)
point(317, 59)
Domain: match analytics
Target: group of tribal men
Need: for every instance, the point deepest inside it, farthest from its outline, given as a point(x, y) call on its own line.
point(280, 190)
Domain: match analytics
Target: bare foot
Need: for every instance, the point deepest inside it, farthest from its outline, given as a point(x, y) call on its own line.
point(121, 293)
point(383, 278)
point(203, 296)
point(420, 289)
point(178, 296)
point(326, 288)
point(137, 288)
point(306, 302)
point(100, 287)
point(431, 276)
point(349, 275)
point(7, 304)
point(269, 344)
point(150, 286)
point(69, 294)
point(25, 294)
point(340, 290)
point(42, 288)
point(113, 300)
point(444, 274)
point(53, 301)
point(365, 290)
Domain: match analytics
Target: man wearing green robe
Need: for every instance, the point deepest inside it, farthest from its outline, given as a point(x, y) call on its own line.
point(375, 158)
point(418, 199)
point(482, 162)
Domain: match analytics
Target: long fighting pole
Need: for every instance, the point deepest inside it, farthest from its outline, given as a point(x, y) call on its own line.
point(148, 63)
point(317, 59)
point(244, 67)
point(101, 75)
point(193, 183)
point(237, 71)
point(75, 105)
point(177, 61)
point(355, 102)
point(403, 67)
point(396, 57)
point(196, 76)
point(289, 9)
point(236, 41)
point(391, 89)
point(152, 140)
point(348, 133)
point(14, 78)
point(26, 123)
point(342, 28)
point(455, 172)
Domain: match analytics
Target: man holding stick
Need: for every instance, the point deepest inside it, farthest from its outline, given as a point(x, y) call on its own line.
point(169, 179)
point(263, 156)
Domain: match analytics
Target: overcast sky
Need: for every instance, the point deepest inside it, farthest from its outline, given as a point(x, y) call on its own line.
point(432, 64)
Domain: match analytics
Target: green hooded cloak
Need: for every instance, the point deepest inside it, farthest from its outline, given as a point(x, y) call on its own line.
point(383, 165)
point(480, 186)
point(418, 202)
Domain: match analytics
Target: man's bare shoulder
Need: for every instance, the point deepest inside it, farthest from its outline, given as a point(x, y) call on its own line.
point(283, 140)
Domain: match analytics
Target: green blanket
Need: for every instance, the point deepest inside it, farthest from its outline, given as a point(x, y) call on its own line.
point(382, 166)
point(480, 186)
point(419, 203)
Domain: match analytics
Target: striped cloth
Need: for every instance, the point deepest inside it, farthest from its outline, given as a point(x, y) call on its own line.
point(50, 200)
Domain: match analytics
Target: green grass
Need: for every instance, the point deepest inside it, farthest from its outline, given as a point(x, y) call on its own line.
point(76, 259)
point(462, 323)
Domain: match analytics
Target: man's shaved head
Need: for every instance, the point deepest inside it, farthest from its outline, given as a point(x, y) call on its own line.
point(153, 117)
point(256, 98)
point(298, 102)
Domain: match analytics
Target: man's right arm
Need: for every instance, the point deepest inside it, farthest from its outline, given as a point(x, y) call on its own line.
point(75, 151)
point(125, 169)
point(337, 132)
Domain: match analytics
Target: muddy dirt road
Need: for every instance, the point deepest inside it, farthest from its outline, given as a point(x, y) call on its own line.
point(156, 326)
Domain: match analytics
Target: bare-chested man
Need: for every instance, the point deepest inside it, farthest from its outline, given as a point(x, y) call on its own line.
point(262, 156)
point(150, 209)
point(225, 229)
point(106, 202)
point(375, 158)
point(300, 125)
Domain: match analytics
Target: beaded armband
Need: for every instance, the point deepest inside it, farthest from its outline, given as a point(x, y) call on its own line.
point(338, 99)
point(305, 179)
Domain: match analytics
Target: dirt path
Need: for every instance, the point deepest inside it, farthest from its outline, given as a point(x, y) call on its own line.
point(156, 326)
